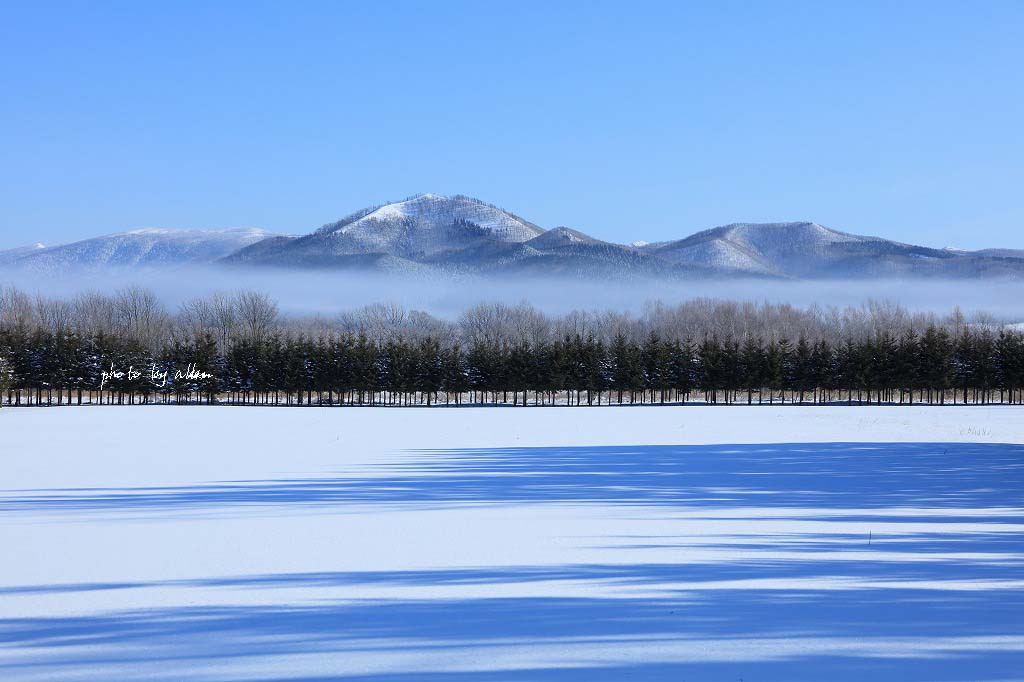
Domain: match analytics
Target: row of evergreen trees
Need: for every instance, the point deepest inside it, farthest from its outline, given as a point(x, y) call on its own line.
point(934, 367)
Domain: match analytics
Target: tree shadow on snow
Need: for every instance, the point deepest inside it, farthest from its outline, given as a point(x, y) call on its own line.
point(808, 475)
point(797, 634)
point(887, 611)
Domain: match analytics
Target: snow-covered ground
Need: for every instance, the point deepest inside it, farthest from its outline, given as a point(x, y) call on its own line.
point(500, 545)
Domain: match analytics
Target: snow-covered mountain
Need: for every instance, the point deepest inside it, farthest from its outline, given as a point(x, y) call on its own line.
point(772, 248)
point(433, 233)
point(456, 234)
point(1001, 253)
point(148, 247)
point(564, 251)
point(12, 255)
point(419, 228)
point(811, 251)
point(429, 231)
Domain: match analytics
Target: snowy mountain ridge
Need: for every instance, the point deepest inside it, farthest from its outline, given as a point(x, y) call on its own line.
point(435, 233)
point(153, 247)
point(461, 233)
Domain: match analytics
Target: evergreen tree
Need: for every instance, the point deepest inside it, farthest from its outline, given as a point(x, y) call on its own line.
point(6, 376)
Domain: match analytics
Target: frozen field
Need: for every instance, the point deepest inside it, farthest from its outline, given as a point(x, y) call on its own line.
point(500, 545)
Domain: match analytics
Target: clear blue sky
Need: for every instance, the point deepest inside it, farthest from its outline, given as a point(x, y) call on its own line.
point(625, 120)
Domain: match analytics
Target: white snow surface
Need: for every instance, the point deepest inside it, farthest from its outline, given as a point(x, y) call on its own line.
point(510, 544)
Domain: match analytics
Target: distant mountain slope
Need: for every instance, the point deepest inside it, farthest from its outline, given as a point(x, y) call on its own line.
point(812, 251)
point(788, 249)
point(1001, 253)
point(258, 251)
point(147, 247)
point(561, 237)
point(564, 251)
point(13, 255)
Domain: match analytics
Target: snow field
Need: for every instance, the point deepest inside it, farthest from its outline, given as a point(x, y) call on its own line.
point(496, 544)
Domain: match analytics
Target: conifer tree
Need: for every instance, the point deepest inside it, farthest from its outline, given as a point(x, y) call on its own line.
point(6, 376)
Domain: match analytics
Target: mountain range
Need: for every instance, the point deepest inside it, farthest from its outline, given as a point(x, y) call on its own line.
point(137, 248)
point(432, 233)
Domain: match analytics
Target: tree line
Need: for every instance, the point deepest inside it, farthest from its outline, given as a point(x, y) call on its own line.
point(238, 349)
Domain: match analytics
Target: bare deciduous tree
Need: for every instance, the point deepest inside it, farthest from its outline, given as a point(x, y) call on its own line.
point(257, 314)
point(53, 315)
point(16, 311)
point(94, 313)
point(217, 314)
point(141, 316)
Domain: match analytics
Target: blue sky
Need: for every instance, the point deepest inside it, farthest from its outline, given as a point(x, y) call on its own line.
point(625, 120)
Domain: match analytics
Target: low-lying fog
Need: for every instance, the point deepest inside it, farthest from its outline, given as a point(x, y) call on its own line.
point(326, 293)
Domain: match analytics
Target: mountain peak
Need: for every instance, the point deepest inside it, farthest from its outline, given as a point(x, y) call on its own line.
point(561, 236)
point(420, 225)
